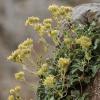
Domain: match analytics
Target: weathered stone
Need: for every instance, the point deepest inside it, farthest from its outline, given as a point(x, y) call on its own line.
point(86, 13)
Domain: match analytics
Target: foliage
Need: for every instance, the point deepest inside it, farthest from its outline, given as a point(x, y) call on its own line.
point(76, 58)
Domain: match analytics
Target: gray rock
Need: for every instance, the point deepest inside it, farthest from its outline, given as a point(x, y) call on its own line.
point(86, 13)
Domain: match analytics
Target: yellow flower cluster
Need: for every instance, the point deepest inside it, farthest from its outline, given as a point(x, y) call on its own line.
point(49, 81)
point(67, 41)
point(11, 97)
point(32, 20)
point(41, 28)
point(26, 44)
point(44, 27)
point(43, 69)
point(62, 10)
point(20, 76)
point(15, 90)
point(47, 21)
point(84, 41)
point(54, 9)
point(14, 93)
point(53, 33)
point(23, 51)
point(63, 63)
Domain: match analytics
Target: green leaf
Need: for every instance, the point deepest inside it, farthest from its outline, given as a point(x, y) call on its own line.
point(95, 69)
point(52, 98)
point(97, 41)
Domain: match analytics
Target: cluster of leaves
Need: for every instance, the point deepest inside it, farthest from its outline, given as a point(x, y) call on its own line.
point(75, 61)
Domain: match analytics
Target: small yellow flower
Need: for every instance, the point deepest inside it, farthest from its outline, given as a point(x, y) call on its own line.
point(67, 8)
point(47, 25)
point(37, 27)
point(63, 62)
point(84, 41)
point(14, 56)
point(17, 89)
point(67, 41)
point(43, 69)
point(20, 76)
point(26, 44)
point(47, 21)
point(54, 32)
point(24, 53)
point(54, 9)
point(65, 11)
point(49, 81)
point(12, 91)
point(40, 72)
point(45, 66)
point(32, 20)
point(41, 29)
point(62, 10)
point(11, 97)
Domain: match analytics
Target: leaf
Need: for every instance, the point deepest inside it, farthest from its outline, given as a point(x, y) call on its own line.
point(75, 93)
point(83, 97)
point(52, 98)
point(95, 69)
point(88, 55)
point(97, 41)
point(77, 67)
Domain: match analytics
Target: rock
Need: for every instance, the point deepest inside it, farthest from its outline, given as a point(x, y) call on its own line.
point(86, 13)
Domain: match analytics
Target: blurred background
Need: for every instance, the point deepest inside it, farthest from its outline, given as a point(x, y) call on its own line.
point(13, 31)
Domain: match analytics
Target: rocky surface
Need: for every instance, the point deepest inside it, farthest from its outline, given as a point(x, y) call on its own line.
point(95, 88)
point(86, 13)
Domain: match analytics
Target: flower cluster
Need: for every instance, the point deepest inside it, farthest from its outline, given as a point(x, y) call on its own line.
point(49, 81)
point(84, 41)
point(26, 44)
point(31, 20)
point(15, 94)
point(63, 62)
point(59, 11)
point(67, 41)
point(23, 51)
point(20, 76)
point(46, 27)
point(43, 69)
point(42, 28)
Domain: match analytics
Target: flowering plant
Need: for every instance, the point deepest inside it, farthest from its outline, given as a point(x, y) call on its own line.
point(75, 59)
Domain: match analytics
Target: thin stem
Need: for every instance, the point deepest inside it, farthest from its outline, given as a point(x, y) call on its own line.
point(26, 69)
point(81, 86)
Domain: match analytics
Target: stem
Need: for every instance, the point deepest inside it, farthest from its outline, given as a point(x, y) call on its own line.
point(26, 69)
point(63, 79)
point(81, 86)
point(58, 92)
